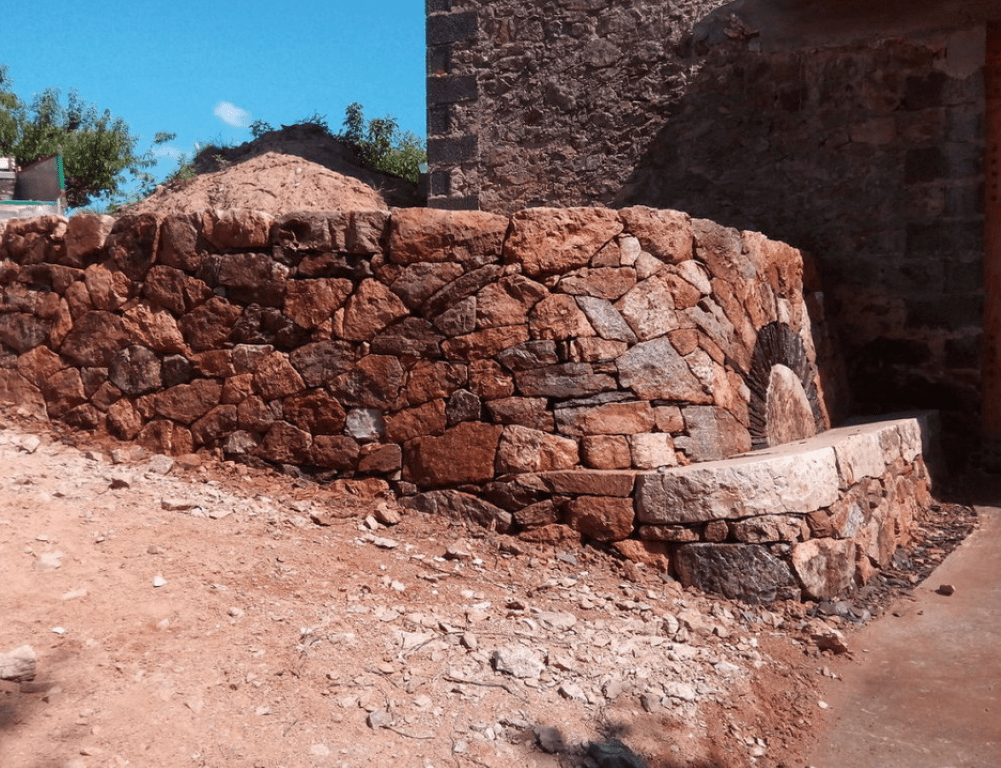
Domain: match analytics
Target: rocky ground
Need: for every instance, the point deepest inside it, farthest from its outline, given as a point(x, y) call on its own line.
point(186, 612)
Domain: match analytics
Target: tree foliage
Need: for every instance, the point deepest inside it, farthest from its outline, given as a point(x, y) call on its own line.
point(382, 145)
point(100, 154)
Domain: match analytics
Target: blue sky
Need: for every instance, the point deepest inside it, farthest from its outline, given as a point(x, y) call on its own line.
point(205, 70)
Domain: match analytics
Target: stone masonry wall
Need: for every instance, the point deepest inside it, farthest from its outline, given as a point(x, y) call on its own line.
point(435, 349)
point(856, 135)
point(549, 103)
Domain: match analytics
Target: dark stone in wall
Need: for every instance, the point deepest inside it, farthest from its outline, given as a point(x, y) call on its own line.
point(451, 29)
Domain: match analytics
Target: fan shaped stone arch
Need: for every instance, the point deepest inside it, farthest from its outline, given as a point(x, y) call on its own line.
point(784, 405)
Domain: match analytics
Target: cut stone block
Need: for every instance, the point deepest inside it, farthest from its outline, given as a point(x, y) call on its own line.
point(738, 571)
point(784, 480)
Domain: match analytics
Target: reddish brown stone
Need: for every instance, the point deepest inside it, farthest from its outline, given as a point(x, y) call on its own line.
point(464, 454)
point(581, 483)
point(187, 403)
point(507, 301)
point(606, 452)
point(379, 459)
point(549, 241)
point(780, 265)
point(424, 234)
point(550, 534)
point(601, 518)
point(536, 515)
point(157, 330)
point(237, 228)
point(255, 415)
point(315, 411)
point(123, 420)
point(39, 365)
point(716, 531)
point(163, 436)
point(335, 452)
point(35, 240)
point(529, 450)
point(662, 233)
point(308, 303)
point(179, 247)
point(602, 283)
point(106, 395)
point(108, 289)
point(95, 339)
point(369, 310)
point(132, 244)
point(376, 381)
point(86, 235)
point(174, 290)
point(275, 377)
point(609, 419)
point(673, 533)
point(419, 282)
point(209, 326)
point(484, 344)
point(558, 317)
point(286, 444)
point(531, 412)
point(237, 388)
point(684, 340)
point(135, 371)
point(426, 419)
point(488, 380)
point(319, 363)
point(653, 553)
point(63, 391)
point(78, 298)
point(434, 380)
point(215, 425)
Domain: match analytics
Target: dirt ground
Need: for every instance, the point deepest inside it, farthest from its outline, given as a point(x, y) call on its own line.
point(190, 612)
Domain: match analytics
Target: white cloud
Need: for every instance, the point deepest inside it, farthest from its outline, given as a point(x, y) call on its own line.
point(232, 115)
point(167, 151)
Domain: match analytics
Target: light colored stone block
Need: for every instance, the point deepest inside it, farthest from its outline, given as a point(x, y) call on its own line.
point(790, 479)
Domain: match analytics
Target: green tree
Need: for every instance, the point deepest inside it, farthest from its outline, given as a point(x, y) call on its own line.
point(100, 154)
point(381, 144)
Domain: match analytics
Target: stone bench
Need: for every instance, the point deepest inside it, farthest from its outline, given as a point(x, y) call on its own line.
point(809, 519)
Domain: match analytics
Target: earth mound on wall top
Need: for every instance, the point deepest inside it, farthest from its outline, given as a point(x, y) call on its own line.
point(272, 183)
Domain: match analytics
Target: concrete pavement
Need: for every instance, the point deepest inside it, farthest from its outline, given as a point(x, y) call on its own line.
point(924, 690)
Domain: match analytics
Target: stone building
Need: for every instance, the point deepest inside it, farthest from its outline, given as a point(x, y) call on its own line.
point(851, 129)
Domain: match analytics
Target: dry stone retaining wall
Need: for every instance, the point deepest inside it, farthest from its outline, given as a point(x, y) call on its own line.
point(446, 352)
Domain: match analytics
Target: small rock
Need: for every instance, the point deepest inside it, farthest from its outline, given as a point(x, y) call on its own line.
point(236, 613)
point(159, 581)
point(379, 719)
point(384, 543)
point(572, 691)
point(160, 465)
point(946, 589)
point(550, 740)
point(829, 639)
point(679, 690)
point(177, 505)
point(49, 561)
point(459, 550)
point(388, 515)
point(518, 661)
point(120, 481)
point(30, 443)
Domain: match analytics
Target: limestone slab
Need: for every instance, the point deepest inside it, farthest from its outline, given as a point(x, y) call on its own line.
point(774, 482)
